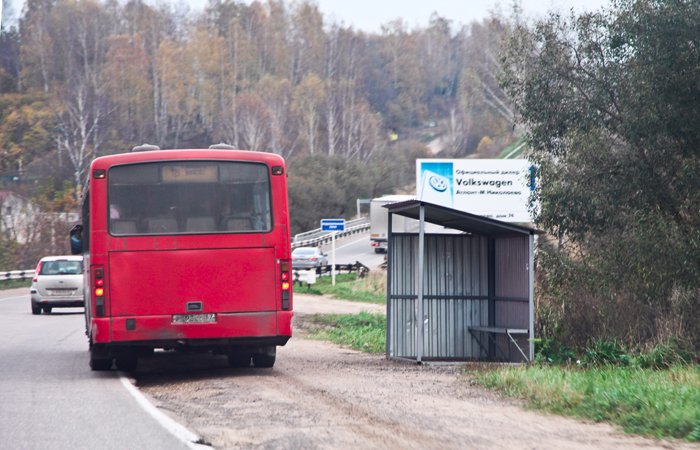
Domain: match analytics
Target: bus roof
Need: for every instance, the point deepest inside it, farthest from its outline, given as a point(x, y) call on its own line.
point(105, 162)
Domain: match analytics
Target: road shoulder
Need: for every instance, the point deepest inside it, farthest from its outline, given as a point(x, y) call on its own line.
point(11, 293)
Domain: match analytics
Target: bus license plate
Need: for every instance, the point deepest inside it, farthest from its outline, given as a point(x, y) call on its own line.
point(194, 318)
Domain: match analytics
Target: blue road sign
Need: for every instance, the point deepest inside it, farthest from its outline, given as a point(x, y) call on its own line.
point(333, 224)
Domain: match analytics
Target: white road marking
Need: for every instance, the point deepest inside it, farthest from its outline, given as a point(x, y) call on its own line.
point(183, 434)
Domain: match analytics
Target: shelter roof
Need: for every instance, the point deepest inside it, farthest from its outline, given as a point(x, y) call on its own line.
point(458, 220)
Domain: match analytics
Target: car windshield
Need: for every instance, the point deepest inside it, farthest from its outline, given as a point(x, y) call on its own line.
point(61, 268)
point(304, 252)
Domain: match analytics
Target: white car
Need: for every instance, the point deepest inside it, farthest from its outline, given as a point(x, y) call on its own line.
point(308, 258)
point(57, 283)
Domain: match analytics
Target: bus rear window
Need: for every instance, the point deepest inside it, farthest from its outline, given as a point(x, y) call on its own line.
point(189, 197)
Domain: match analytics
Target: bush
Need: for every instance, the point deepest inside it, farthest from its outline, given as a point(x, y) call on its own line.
point(578, 310)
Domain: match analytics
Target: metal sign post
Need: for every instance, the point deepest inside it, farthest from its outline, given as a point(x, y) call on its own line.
point(333, 259)
point(333, 225)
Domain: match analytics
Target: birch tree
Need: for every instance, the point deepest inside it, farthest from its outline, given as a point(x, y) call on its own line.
point(82, 101)
point(309, 98)
point(276, 94)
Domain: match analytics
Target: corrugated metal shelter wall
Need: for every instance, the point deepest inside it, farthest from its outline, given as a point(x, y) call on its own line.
point(455, 295)
point(512, 293)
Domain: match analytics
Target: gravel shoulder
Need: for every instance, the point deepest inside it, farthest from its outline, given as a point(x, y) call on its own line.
point(323, 396)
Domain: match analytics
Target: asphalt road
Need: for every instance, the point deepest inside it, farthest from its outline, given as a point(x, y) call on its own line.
point(353, 249)
point(49, 397)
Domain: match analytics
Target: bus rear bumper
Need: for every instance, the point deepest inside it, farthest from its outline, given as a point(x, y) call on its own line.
point(276, 325)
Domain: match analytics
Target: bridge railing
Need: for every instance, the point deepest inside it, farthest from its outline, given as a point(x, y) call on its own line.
point(318, 237)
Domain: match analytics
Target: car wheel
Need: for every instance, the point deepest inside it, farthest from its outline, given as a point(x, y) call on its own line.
point(238, 361)
point(266, 359)
point(126, 364)
point(36, 309)
point(47, 309)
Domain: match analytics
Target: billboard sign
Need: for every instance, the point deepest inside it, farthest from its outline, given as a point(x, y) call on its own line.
point(494, 188)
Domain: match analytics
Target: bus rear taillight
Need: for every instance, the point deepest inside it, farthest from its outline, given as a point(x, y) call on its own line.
point(98, 274)
point(286, 284)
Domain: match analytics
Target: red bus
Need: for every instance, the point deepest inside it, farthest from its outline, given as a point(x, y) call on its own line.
point(186, 250)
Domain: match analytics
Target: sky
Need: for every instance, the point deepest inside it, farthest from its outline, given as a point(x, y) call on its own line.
point(369, 15)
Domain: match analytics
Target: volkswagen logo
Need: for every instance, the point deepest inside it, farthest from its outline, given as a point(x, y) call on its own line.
point(438, 183)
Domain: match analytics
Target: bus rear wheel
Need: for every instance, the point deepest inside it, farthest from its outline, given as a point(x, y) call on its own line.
point(127, 364)
point(100, 364)
point(266, 358)
point(238, 360)
point(99, 360)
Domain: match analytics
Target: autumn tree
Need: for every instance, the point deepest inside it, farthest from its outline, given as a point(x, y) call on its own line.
point(309, 97)
point(81, 103)
point(276, 94)
point(126, 78)
point(176, 81)
point(9, 60)
point(306, 40)
point(254, 120)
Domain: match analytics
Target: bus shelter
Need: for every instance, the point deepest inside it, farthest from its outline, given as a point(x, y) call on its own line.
point(459, 297)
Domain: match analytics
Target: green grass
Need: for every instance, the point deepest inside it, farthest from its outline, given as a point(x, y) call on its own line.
point(14, 284)
point(371, 289)
point(658, 403)
point(364, 331)
point(507, 151)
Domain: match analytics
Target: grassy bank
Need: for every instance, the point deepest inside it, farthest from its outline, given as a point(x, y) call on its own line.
point(371, 289)
point(658, 403)
point(14, 284)
point(364, 331)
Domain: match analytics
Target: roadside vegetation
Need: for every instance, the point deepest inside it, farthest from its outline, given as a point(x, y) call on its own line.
point(14, 284)
point(364, 331)
point(620, 189)
point(654, 393)
point(371, 289)
point(618, 275)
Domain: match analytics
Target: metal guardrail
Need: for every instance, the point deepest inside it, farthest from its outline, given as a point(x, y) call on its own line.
point(301, 276)
point(315, 238)
point(17, 275)
point(308, 235)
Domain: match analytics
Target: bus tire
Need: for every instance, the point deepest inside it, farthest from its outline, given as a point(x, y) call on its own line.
point(100, 364)
point(127, 364)
point(36, 309)
point(266, 358)
point(238, 360)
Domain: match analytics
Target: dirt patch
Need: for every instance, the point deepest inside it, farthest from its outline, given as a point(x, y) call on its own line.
point(305, 305)
point(322, 396)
